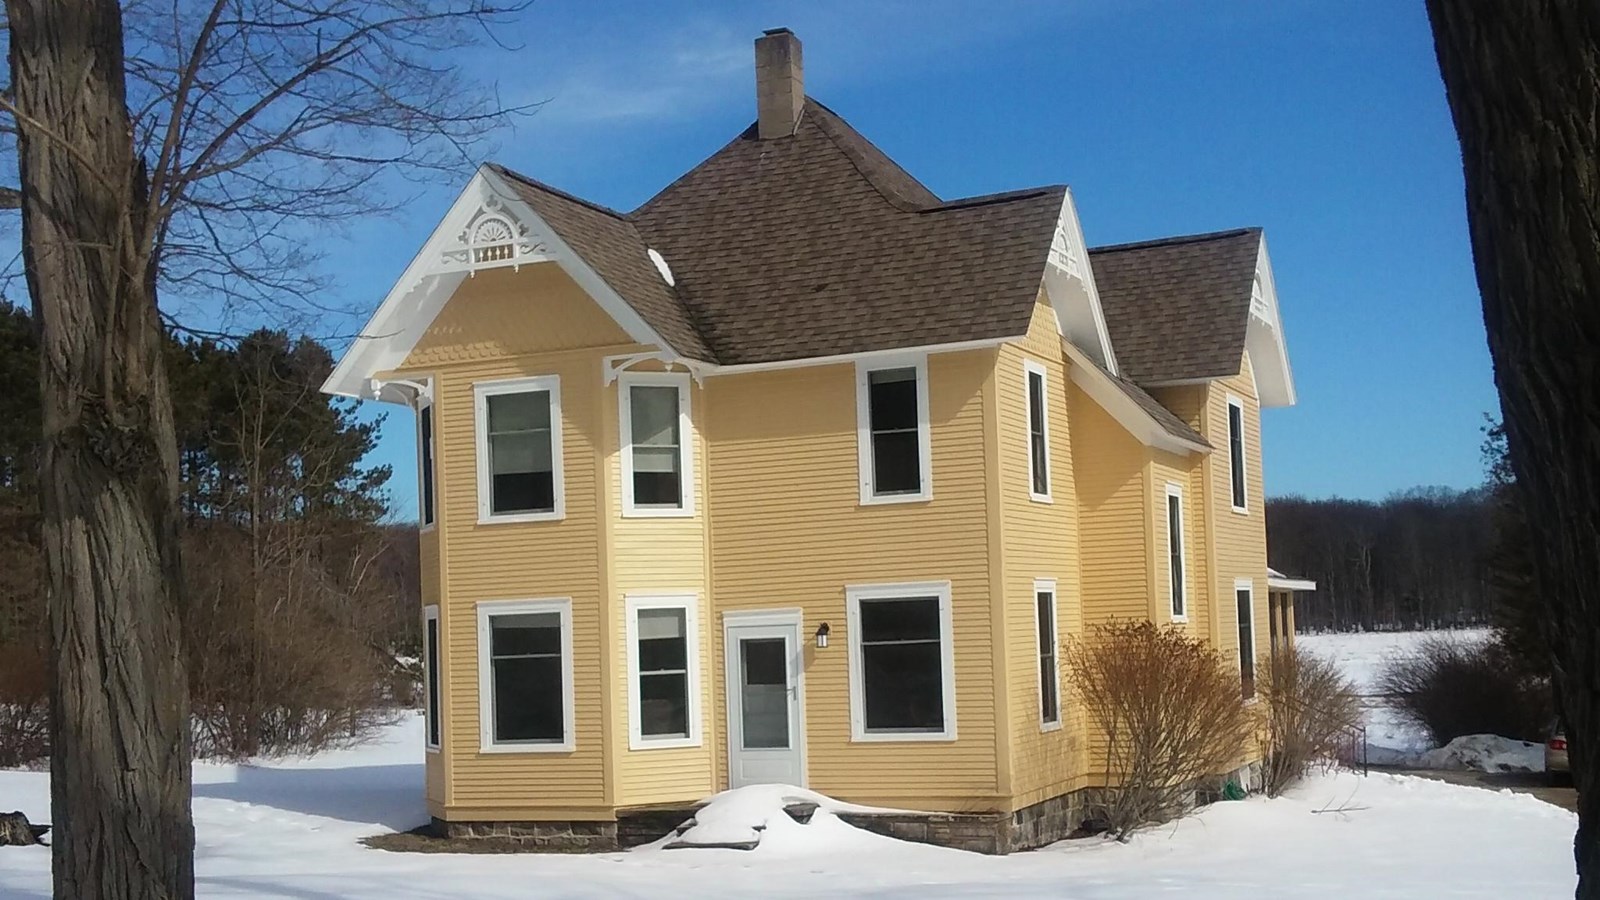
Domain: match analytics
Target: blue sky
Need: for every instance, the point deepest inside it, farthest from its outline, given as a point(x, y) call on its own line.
point(1324, 123)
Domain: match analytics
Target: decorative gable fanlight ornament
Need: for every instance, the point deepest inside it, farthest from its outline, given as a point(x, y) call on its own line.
point(492, 237)
point(1063, 253)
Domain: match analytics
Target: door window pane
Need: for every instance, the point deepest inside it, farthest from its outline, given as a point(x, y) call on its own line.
point(892, 418)
point(657, 445)
point(525, 658)
point(902, 669)
point(663, 673)
point(764, 693)
point(520, 452)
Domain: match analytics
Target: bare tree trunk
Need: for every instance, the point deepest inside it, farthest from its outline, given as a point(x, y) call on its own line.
point(120, 776)
point(1523, 80)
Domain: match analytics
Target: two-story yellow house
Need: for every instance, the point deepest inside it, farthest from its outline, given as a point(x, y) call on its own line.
point(798, 473)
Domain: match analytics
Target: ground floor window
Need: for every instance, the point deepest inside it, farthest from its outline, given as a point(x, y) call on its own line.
point(430, 672)
point(902, 670)
point(664, 671)
point(1244, 595)
point(525, 674)
point(1044, 613)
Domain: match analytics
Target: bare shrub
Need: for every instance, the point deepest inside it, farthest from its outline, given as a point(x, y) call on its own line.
point(1453, 686)
point(1169, 712)
point(24, 704)
point(1311, 711)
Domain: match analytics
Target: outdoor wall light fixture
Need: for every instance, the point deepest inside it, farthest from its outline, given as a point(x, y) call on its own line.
point(822, 635)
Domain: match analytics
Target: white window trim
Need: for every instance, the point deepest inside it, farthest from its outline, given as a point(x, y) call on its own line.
point(626, 381)
point(1176, 490)
point(1247, 585)
point(689, 603)
point(864, 429)
point(1244, 457)
point(430, 615)
point(425, 401)
point(1043, 586)
point(1029, 367)
point(490, 608)
point(483, 390)
point(854, 594)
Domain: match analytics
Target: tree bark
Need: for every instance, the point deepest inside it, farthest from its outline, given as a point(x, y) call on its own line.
point(120, 775)
point(1523, 81)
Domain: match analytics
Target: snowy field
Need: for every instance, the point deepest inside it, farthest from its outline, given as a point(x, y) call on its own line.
point(290, 829)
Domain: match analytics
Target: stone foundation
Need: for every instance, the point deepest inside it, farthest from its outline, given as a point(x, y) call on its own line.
point(553, 837)
point(993, 833)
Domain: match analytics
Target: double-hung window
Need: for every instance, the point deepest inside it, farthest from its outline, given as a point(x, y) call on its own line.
point(664, 672)
point(1244, 597)
point(902, 665)
point(519, 449)
point(1178, 584)
point(525, 675)
point(1038, 432)
point(425, 459)
point(430, 672)
point(1236, 473)
point(893, 437)
point(657, 466)
point(1044, 612)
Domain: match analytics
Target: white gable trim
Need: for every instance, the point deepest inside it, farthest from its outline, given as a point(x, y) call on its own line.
point(488, 226)
point(1264, 341)
point(1128, 413)
point(1069, 284)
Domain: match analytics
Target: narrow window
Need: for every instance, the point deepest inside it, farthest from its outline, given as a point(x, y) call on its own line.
point(425, 451)
point(892, 410)
point(1243, 592)
point(902, 664)
point(1044, 600)
point(526, 674)
point(1273, 617)
point(1038, 435)
point(664, 663)
point(655, 453)
point(519, 449)
point(430, 665)
point(1236, 451)
point(1177, 587)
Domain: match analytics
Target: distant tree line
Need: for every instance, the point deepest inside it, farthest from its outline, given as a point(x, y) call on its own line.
point(299, 603)
point(1422, 558)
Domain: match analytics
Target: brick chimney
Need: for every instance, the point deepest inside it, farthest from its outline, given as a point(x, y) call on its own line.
point(780, 83)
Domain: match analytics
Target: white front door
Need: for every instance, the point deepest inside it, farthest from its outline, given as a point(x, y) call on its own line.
point(766, 735)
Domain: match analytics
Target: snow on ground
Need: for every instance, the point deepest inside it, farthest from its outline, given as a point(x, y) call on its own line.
point(1485, 753)
point(290, 829)
point(1361, 655)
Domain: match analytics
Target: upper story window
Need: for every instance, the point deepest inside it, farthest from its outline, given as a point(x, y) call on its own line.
point(902, 667)
point(1178, 585)
point(425, 459)
point(519, 449)
point(892, 432)
point(525, 675)
point(1038, 432)
point(657, 468)
point(1236, 453)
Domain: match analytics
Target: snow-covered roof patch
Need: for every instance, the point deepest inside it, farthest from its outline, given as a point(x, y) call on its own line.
point(660, 263)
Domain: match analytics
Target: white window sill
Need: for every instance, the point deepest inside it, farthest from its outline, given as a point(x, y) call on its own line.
point(892, 499)
point(1047, 727)
point(645, 512)
point(644, 743)
point(1181, 619)
point(910, 737)
point(425, 529)
point(567, 747)
point(1040, 498)
point(516, 518)
point(1242, 510)
point(431, 748)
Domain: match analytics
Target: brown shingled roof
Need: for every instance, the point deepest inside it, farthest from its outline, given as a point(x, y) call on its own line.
point(1177, 308)
point(1166, 418)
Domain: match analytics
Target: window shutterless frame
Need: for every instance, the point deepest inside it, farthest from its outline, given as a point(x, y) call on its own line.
point(1177, 558)
point(626, 383)
point(688, 604)
point(1046, 624)
point(482, 391)
point(1244, 593)
point(1036, 400)
point(427, 457)
point(855, 595)
point(870, 493)
point(1238, 483)
point(488, 610)
point(432, 688)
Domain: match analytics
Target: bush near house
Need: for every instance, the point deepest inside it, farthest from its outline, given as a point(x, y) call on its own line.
point(1312, 710)
point(1454, 686)
point(1169, 710)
